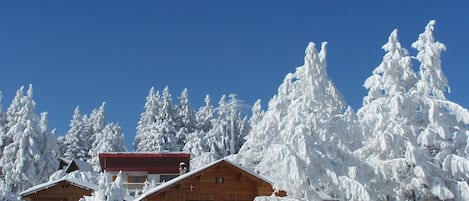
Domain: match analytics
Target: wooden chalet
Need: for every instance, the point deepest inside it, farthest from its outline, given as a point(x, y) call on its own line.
point(138, 167)
point(220, 180)
point(59, 190)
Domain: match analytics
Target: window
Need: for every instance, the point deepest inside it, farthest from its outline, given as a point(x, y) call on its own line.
point(165, 178)
point(219, 180)
point(136, 179)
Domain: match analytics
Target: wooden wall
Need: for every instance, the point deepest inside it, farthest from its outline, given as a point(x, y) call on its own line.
point(62, 191)
point(222, 182)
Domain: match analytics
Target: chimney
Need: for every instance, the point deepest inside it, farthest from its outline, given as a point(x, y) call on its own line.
point(182, 168)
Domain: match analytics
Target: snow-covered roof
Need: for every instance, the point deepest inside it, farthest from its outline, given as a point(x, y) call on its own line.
point(194, 172)
point(82, 165)
point(65, 160)
point(142, 153)
point(43, 186)
point(268, 180)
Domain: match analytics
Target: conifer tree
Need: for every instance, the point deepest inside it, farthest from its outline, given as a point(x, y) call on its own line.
point(442, 124)
point(160, 134)
point(386, 111)
point(97, 120)
point(305, 137)
point(205, 115)
point(165, 138)
point(432, 80)
point(198, 141)
point(146, 124)
point(109, 139)
point(4, 140)
point(30, 158)
point(78, 139)
point(186, 119)
point(257, 113)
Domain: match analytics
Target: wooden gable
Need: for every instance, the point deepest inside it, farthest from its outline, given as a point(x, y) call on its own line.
point(61, 191)
point(220, 181)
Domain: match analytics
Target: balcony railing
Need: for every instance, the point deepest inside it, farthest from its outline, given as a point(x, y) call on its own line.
point(135, 186)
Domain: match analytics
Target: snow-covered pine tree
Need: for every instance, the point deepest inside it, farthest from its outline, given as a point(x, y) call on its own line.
point(257, 113)
point(205, 115)
point(147, 122)
point(156, 131)
point(306, 135)
point(238, 125)
point(432, 80)
point(3, 128)
point(48, 143)
point(197, 141)
point(11, 117)
point(443, 125)
point(5, 194)
point(108, 190)
point(229, 128)
point(386, 118)
point(165, 138)
point(117, 190)
point(30, 158)
point(186, 119)
point(109, 139)
point(97, 120)
point(77, 142)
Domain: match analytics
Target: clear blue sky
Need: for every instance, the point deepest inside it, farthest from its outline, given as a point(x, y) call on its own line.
point(86, 52)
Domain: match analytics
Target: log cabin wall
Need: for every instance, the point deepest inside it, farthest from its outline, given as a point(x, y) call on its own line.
point(221, 182)
point(62, 191)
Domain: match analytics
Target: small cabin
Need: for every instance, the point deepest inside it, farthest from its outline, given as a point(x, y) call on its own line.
point(59, 190)
point(138, 167)
point(220, 180)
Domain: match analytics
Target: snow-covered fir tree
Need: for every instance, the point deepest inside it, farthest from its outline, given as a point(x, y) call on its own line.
point(443, 124)
point(48, 143)
point(205, 115)
point(385, 116)
point(147, 124)
point(108, 190)
point(81, 136)
point(166, 127)
point(219, 136)
point(305, 138)
point(4, 140)
point(11, 117)
point(156, 130)
point(77, 142)
point(109, 139)
point(432, 81)
point(197, 143)
point(97, 120)
point(416, 138)
point(229, 129)
point(31, 156)
point(257, 113)
point(5, 194)
point(186, 119)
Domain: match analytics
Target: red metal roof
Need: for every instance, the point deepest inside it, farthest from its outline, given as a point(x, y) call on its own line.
point(163, 163)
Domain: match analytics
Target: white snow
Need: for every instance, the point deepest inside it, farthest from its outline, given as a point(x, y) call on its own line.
point(406, 142)
point(43, 186)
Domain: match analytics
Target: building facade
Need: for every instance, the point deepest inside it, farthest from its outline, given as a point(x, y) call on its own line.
point(136, 168)
point(222, 180)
